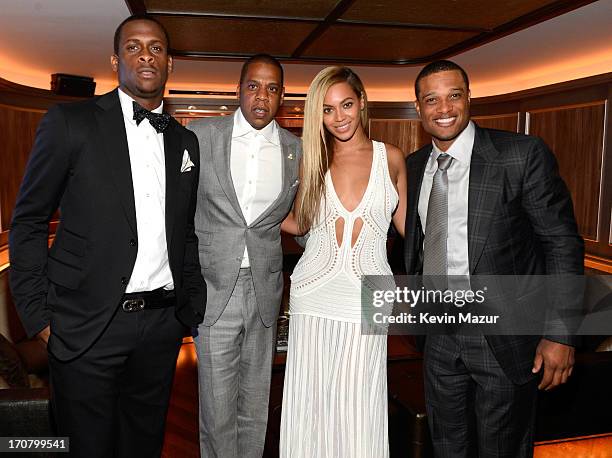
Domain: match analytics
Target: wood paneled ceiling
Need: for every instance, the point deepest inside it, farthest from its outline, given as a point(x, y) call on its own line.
point(368, 32)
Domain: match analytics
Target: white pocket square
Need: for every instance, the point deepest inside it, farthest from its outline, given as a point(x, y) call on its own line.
point(187, 164)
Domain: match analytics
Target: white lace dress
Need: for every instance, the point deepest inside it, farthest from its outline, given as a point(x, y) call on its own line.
point(335, 392)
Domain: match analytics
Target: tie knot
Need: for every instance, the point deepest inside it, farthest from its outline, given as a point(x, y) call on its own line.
point(444, 161)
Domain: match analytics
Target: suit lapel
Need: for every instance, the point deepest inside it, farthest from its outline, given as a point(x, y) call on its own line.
point(414, 231)
point(173, 160)
point(289, 158)
point(415, 182)
point(486, 184)
point(110, 120)
point(221, 157)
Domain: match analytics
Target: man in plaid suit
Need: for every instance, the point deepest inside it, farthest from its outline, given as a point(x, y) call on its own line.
point(508, 213)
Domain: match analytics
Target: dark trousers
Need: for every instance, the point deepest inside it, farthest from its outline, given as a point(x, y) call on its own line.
point(473, 409)
point(112, 400)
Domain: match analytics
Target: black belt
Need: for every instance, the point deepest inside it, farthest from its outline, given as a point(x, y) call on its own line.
point(156, 299)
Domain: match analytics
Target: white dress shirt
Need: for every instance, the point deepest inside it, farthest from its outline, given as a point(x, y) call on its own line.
point(256, 166)
point(458, 190)
point(147, 161)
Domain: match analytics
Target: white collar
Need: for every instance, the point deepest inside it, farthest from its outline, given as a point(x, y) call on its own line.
point(128, 108)
point(243, 128)
point(461, 149)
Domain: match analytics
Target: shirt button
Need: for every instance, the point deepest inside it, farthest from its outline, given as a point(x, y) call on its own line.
point(148, 195)
point(124, 280)
point(132, 242)
point(252, 156)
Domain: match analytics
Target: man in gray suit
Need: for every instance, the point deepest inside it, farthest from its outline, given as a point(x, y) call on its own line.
point(248, 181)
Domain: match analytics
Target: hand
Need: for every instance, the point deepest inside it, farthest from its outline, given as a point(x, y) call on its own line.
point(558, 361)
point(44, 335)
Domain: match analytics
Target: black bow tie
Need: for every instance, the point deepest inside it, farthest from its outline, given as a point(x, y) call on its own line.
point(159, 121)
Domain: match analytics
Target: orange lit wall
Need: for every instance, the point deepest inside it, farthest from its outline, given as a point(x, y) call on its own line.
point(382, 84)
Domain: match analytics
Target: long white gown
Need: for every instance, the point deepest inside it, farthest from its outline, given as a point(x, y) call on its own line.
point(335, 392)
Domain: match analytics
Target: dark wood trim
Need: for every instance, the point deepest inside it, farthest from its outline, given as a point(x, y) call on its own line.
point(188, 93)
point(293, 109)
point(589, 90)
point(191, 55)
point(605, 213)
point(339, 21)
point(596, 80)
point(233, 101)
point(230, 17)
point(481, 109)
point(224, 93)
point(298, 60)
point(29, 98)
point(535, 17)
point(204, 103)
point(338, 11)
point(236, 17)
point(392, 110)
point(409, 25)
point(334, 18)
point(597, 263)
point(522, 122)
point(136, 6)
point(583, 90)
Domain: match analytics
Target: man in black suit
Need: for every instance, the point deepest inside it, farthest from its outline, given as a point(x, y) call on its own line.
point(485, 202)
point(113, 294)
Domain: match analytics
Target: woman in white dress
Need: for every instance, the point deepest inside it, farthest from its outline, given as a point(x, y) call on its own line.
point(335, 392)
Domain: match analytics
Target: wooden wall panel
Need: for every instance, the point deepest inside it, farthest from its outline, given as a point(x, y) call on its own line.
point(502, 122)
point(569, 116)
point(605, 220)
point(575, 135)
point(18, 131)
point(406, 134)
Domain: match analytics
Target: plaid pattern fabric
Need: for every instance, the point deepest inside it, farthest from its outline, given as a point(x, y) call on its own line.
point(520, 222)
point(480, 391)
point(473, 409)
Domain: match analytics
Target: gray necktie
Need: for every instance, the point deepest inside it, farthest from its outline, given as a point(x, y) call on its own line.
point(435, 261)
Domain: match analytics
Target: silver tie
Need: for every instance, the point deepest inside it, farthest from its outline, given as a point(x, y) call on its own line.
point(435, 261)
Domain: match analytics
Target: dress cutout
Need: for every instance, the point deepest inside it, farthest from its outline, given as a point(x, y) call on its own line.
point(335, 392)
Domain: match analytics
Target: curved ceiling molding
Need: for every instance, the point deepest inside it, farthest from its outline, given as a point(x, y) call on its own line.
point(75, 36)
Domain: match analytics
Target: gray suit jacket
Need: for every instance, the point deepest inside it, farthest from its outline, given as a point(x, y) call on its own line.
point(222, 230)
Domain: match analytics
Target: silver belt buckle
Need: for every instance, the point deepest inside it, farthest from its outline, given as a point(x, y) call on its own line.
point(133, 305)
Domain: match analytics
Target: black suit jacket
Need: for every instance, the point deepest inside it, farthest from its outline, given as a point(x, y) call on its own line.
point(520, 222)
point(80, 163)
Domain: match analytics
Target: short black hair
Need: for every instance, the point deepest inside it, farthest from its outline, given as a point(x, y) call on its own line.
point(138, 17)
point(261, 58)
point(437, 67)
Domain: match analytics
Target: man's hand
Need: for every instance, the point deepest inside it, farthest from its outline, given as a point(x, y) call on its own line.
point(558, 362)
point(44, 335)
